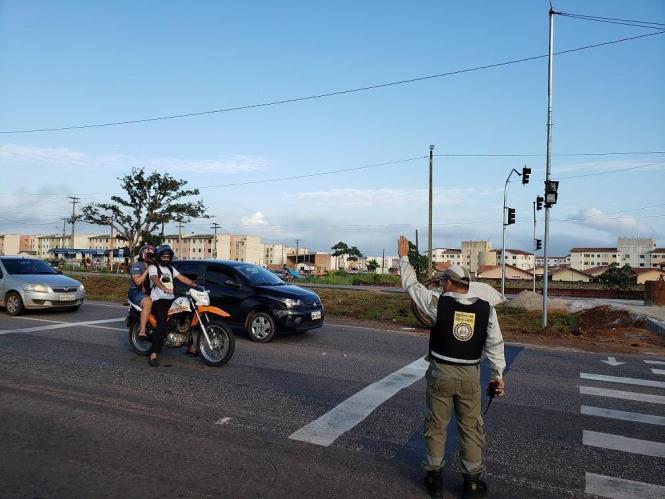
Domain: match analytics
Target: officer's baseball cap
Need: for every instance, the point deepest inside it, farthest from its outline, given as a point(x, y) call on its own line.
point(456, 273)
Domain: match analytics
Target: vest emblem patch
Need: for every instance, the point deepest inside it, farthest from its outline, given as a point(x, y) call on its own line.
point(463, 325)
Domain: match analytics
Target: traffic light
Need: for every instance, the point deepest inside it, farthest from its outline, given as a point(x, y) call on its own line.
point(539, 244)
point(539, 202)
point(511, 216)
point(551, 192)
point(525, 175)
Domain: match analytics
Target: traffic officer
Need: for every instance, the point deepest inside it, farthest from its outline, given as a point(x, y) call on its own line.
point(465, 326)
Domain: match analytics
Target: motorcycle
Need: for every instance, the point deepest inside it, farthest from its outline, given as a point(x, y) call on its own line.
point(191, 320)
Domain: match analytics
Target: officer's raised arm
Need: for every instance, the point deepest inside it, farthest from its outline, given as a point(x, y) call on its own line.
point(425, 299)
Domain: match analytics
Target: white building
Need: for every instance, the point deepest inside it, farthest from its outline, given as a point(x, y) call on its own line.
point(636, 252)
point(447, 255)
point(200, 246)
point(385, 263)
point(517, 258)
point(15, 244)
point(586, 258)
point(553, 261)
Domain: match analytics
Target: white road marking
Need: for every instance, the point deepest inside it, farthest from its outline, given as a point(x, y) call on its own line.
point(612, 361)
point(617, 394)
point(625, 381)
point(624, 444)
point(109, 328)
point(622, 415)
point(617, 488)
point(223, 420)
point(59, 326)
point(342, 418)
point(656, 362)
point(658, 371)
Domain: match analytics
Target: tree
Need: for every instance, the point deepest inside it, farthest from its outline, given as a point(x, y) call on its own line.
point(152, 200)
point(372, 265)
point(354, 253)
point(418, 261)
point(617, 277)
point(342, 248)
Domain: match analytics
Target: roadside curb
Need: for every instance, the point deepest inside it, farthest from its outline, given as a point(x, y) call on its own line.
point(655, 326)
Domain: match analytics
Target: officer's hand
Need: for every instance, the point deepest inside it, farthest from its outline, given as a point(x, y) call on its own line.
point(402, 246)
point(499, 387)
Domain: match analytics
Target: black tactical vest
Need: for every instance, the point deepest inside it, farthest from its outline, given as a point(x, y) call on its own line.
point(459, 334)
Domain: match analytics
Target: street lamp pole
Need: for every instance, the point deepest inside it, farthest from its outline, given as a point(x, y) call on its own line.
point(429, 232)
point(503, 237)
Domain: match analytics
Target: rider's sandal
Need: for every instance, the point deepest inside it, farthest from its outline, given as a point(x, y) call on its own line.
point(143, 334)
point(154, 362)
point(193, 354)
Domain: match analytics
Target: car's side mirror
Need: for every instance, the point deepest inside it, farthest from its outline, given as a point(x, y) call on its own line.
point(232, 283)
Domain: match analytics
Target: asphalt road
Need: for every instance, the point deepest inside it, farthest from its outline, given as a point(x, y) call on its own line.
point(83, 416)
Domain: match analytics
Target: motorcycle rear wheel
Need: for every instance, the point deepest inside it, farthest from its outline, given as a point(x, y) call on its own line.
point(141, 346)
point(223, 344)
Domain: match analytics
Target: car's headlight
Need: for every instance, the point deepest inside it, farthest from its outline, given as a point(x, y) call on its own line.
point(37, 288)
point(81, 287)
point(290, 302)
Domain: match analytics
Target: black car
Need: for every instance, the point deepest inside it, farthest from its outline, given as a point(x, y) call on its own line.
point(259, 302)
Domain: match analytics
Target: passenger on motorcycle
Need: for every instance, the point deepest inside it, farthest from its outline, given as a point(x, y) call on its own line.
point(139, 285)
point(162, 275)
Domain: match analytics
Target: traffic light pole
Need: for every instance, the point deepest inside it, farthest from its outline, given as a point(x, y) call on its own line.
point(548, 168)
point(535, 246)
point(503, 237)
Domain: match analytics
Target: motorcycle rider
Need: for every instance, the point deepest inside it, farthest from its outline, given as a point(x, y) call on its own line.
point(139, 287)
point(162, 274)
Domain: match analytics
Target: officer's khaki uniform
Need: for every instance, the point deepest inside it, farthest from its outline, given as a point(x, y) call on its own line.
point(454, 387)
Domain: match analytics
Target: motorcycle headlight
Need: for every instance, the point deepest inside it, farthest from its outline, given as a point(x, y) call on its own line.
point(37, 288)
point(290, 302)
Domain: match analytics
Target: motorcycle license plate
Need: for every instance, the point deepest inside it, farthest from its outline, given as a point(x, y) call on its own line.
point(316, 315)
point(67, 297)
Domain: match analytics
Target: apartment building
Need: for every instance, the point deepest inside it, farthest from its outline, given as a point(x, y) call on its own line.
point(275, 255)
point(586, 258)
point(447, 255)
point(553, 261)
point(658, 258)
point(385, 263)
point(475, 254)
point(103, 242)
point(517, 258)
point(636, 252)
point(200, 246)
point(48, 242)
point(246, 249)
point(15, 244)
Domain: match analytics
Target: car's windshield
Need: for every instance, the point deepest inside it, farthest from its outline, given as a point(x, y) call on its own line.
point(26, 266)
point(258, 276)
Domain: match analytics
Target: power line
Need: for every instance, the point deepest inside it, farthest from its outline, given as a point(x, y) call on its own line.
point(613, 171)
point(328, 94)
point(612, 20)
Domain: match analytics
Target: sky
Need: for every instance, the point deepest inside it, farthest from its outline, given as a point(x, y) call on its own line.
point(355, 164)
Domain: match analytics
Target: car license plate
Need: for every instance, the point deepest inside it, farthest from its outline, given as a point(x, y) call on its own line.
point(67, 297)
point(316, 315)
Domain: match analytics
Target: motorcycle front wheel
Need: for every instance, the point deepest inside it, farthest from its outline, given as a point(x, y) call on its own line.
point(141, 346)
point(222, 346)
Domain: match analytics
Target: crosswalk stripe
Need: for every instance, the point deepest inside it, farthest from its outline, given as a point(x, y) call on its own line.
point(618, 488)
point(656, 362)
point(618, 394)
point(325, 430)
point(658, 371)
point(624, 444)
point(625, 381)
point(60, 325)
point(623, 415)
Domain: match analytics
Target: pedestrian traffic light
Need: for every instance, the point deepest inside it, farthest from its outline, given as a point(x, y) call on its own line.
point(525, 175)
point(551, 192)
point(539, 202)
point(511, 216)
point(539, 244)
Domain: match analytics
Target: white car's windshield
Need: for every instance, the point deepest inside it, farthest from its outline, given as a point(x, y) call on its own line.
point(26, 266)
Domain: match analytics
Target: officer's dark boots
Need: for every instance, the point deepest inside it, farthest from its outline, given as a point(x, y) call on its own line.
point(434, 483)
point(474, 487)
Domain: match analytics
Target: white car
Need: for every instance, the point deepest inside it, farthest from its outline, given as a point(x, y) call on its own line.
point(28, 283)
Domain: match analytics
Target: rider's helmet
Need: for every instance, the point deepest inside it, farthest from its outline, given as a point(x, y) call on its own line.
point(147, 252)
point(164, 254)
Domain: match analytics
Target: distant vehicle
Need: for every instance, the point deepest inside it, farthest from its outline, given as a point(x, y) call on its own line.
point(284, 275)
point(28, 283)
point(259, 302)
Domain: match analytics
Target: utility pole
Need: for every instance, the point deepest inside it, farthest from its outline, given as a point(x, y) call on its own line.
point(429, 231)
point(548, 167)
point(383, 260)
point(111, 244)
point(297, 252)
point(162, 237)
point(74, 201)
point(180, 226)
point(506, 222)
point(64, 235)
point(535, 246)
point(215, 226)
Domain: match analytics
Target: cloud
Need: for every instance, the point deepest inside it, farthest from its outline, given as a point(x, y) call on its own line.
point(257, 218)
point(12, 155)
point(611, 223)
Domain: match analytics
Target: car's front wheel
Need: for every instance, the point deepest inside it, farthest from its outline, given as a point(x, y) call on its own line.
point(14, 304)
point(261, 327)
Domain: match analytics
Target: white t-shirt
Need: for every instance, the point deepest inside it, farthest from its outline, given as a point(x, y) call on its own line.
point(157, 293)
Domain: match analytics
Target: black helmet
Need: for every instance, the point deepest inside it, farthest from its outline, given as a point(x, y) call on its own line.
point(163, 249)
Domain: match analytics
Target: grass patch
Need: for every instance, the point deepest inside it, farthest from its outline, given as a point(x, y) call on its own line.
point(104, 287)
point(519, 320)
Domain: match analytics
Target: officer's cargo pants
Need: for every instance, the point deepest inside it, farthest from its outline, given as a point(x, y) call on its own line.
point(445, 392)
